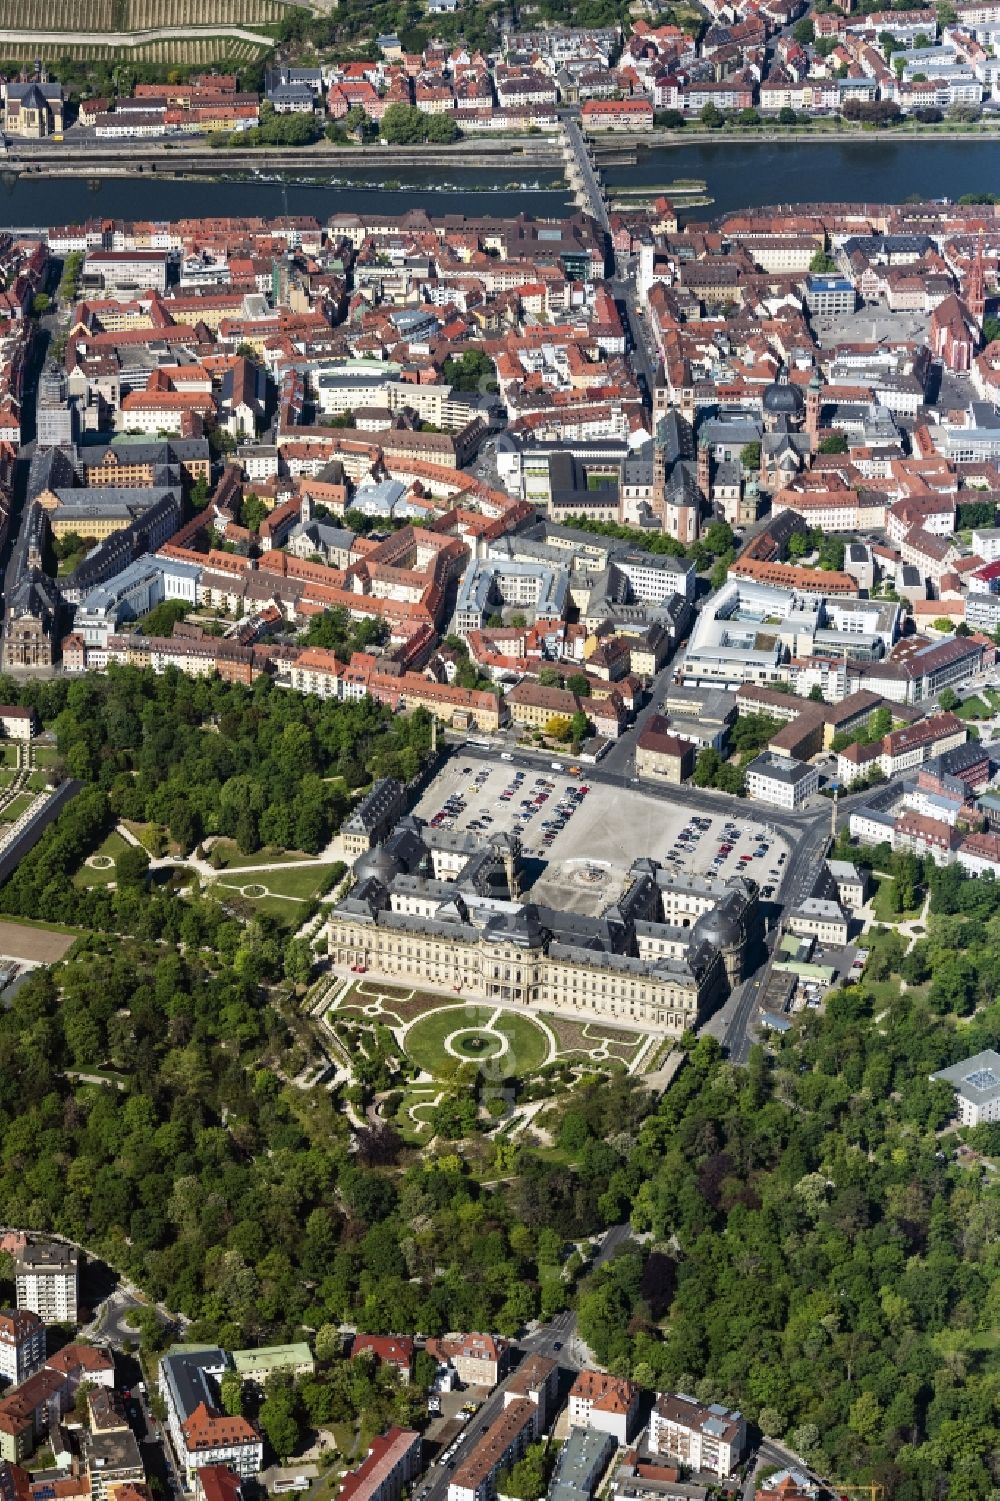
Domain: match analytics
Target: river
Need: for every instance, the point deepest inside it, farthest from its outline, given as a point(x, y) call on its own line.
point(745, 174)
point(739, 175)
point(27, 202)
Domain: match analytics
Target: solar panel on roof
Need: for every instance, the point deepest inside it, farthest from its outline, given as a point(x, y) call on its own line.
point(982, 1078)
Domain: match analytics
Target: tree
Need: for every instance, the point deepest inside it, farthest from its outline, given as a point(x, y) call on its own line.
point(279, 1418)
point(750, 457)
point(711, 116)
point(865, 1417)
point(403, 125)
point(579, 683)
point(527, 1479)
point(41, 304)
point(706, 767)
point(559, 727)
point(441, 129)
point(787, 116)
point(252, 512)
point(804, 31)
point(131, 866)
point(833, 443)
point(948, 698)
point(579, 727)
point(161, 619)
point(822, 263)
point(298, 961)
point(231, 1392)
point(472, 371)
point(953, 988)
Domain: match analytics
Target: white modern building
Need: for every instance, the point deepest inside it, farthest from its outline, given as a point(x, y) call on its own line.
point(976, 1082)
point(46, 1278)
point(781, 780)
point(704, 1437)
point(22, 1345)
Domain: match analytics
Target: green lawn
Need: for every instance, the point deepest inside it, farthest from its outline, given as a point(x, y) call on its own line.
point(303, 881)
point(21, 803)
point(288, 911)
point(884, 903)
point(514, 1044)
point(974, 708)
point(294, 883)
point(110, 849)
point(46, 755)
point(226, 852)
point(46, 927)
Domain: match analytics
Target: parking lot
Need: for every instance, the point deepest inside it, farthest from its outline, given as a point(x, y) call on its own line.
point(580, 837)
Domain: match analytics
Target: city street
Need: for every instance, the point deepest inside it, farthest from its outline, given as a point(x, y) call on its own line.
point(558, 1341)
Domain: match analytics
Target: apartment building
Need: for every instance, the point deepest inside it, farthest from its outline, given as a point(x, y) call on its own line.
point(395, 1350)
point(709, 1438)
point(781, 780)
point(46, 1279)
point(608, 1403)
point(537, 1381)
point(200, 1434)
point(77, 1363)
point(22, 1345)
point(503, 1444)
point(477, 1359)
point(113, 1459)
point(28, 1412)
point(217, 1483)
point(581, 1464)
point(210, 1437)
point(393, 1460)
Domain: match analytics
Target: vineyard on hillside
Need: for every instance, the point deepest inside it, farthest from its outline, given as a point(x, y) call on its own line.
point(222, 51)
point(134, 15)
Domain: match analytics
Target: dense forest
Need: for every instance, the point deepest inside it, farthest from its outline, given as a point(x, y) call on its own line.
point(812, 1240)
point(237, 1198)
point(196, 757)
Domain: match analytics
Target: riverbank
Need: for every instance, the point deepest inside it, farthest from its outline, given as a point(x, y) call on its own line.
point(661, 136)
point(322, 160)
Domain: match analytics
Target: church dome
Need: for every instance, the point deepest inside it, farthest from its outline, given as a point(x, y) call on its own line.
point(720, 926)
point(782, 399)
point(378, 863)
